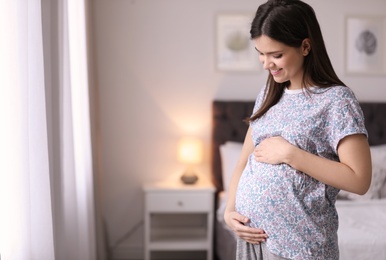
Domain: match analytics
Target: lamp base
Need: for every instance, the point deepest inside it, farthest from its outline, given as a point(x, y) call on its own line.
point(189, 178)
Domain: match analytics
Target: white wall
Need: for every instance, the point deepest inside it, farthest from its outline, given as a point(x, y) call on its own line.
point(156, 79)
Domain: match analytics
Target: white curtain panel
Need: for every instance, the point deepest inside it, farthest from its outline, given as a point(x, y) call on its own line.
point(46, 210)
point(78, 230)
point(25, 221)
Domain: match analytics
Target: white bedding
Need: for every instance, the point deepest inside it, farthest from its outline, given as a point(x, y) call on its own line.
point(362, 228)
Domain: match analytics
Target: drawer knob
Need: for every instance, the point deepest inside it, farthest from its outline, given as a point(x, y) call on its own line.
point(180, 203)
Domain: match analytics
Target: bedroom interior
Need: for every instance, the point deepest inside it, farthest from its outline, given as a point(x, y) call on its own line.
point(98, 94)
point(156, 81)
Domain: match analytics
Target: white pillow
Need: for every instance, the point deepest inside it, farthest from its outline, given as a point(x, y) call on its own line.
point(230, 153)
point(378, 186)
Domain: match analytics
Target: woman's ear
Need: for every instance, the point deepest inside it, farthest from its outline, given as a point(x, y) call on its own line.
point(306, 46)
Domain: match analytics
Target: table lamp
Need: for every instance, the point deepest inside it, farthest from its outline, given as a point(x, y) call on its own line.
point(190, 153)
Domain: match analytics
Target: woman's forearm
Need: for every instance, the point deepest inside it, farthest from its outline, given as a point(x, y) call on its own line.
point(352, 173)
point(231, 199)
point(248, 147)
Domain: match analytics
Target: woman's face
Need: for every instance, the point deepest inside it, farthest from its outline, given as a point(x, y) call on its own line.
point(285, 63)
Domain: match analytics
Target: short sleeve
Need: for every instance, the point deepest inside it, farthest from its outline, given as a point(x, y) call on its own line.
point(345, 117)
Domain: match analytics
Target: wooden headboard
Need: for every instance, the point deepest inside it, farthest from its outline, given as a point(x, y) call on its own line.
point(228, 125)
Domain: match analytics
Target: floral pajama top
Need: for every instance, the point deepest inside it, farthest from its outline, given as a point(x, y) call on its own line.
point(295, 210)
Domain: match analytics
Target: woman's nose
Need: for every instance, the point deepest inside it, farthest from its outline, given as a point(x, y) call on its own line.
point(267, 64)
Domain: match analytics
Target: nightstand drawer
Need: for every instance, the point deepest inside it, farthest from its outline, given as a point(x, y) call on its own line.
point(179, 202)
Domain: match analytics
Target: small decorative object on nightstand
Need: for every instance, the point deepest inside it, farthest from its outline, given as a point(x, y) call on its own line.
point(189, 178)
point(190, 153)
point(179, 220)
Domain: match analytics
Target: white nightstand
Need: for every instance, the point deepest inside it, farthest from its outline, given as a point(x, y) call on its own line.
point(179, 219)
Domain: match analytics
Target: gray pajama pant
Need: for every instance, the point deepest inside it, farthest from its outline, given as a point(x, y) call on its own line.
point(248, 251)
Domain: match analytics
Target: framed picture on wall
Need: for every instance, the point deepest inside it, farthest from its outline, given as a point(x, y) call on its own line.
point(235, 51)
point(365, 45)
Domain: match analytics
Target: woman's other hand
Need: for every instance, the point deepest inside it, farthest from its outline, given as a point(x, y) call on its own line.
point(237, 223)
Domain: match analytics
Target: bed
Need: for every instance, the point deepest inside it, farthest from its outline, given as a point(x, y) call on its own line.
point(362, 219)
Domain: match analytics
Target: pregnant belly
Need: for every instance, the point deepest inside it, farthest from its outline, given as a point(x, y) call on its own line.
point(289, 206)
point(265, 191)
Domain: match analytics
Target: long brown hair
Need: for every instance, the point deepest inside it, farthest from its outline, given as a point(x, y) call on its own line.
point(290, 22)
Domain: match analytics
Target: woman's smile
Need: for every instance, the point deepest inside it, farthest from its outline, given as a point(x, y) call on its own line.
point(275, 72)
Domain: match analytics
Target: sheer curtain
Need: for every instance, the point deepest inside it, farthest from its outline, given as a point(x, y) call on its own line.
point(46, 175)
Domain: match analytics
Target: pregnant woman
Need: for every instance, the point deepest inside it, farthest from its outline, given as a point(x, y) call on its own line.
point(306, 141)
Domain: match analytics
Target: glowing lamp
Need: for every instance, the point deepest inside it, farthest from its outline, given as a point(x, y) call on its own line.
point(190, 153)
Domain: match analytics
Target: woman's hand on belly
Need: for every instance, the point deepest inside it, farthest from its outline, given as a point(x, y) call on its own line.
point(237, 223)
point(273, 150)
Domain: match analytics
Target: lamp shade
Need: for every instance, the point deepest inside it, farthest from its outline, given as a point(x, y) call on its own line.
point(190, 150)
